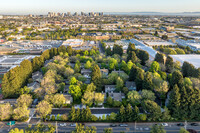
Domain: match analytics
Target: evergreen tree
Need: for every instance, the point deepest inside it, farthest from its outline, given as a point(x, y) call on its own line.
point(160, 58)
point(148, 83)
point(96, 75)
point(169, 64)
point(139, 79)
point(69, 50)
point(108, 51)
point(132, 56)
point(188, 70)
point(72, 114)
point(177, 78)
point(122, 114)
point(129, 113)
point(131, 47)
point(143, 56)
point(175, 102)
point(117, 49)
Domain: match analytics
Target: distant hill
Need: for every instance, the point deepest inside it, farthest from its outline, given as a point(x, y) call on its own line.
point(155, 13)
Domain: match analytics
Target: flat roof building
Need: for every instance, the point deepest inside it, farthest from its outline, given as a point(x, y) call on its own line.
point(191, 58)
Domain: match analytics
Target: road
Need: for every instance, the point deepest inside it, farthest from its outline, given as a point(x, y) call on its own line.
point(140, 127)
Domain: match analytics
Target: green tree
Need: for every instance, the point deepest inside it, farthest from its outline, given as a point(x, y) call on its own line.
point(88, 65)
point(132, 56)
point(5, 111)
point(16, 130)
point(108, 130)
point(143, 56)
point(43, 109)
point(75, 91)
point(98, 98)
point(109, 101)
point(152, 109)
point(24, 100)
point(58, 100)
point(155, 67)
point(88, 98)
point(160, 58)
point(131, 47)
point(188, 70)
point(108, 51)
point(96, 75)
point(177, 78)
point(148, 95)
point(21, 113)
point(169, 64)
point(157, 129)
point(69, 50)
point(148, 83)
point(129, 113)
point(117, 49)
point(122, 114)
point(119, 83)
point(133, 97)
point(182, 130)
point(72, 114)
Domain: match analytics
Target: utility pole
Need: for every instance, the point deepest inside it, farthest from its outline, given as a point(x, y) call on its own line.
point(135, 126)
point(185, 125)
point(56, 127)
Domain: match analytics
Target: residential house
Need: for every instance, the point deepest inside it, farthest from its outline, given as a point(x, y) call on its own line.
point(131, 85)
point(110, 88)
point(117, 96)
point(11, 101)
point(37, 76)
point(68, 98)
point(104, 72)
point(33, 86)
point(86, 73)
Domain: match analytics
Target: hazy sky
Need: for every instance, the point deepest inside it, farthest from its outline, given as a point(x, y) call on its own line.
point(44, 6)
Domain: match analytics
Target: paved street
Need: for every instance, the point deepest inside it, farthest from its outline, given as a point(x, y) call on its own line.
point(140, 127)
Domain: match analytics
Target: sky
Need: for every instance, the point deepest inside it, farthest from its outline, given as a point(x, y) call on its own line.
point(44, 6)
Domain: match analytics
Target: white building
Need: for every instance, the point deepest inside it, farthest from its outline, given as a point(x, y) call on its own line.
point(142, 46)
point(191, 58)
point(12, 61)
point(73, 42)
point(193, 44)
point(159, 43)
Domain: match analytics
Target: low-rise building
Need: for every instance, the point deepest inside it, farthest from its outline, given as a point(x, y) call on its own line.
point(110, 88)
point(37, 76)
point(131, 85)
point(33, 86)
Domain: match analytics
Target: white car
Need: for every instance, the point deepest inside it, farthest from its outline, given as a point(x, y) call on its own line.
point(73, 125)
point(123, 125)
point(165, 124)
point(63, 124)
point(146, 128)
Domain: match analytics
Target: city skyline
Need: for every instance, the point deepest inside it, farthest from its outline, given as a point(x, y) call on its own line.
point(42, 7)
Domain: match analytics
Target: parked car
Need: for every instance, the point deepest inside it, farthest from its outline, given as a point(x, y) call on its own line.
point(113, 125)
point(123, 125)
point(194, 124)
point(11, 123)
point(164, 124)
point(63, 124)
point(146, 128)
point(180, 124)
point(73, 125)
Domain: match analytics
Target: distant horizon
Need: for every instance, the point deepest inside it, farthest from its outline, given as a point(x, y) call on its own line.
point(24, 7)
point(119, 13)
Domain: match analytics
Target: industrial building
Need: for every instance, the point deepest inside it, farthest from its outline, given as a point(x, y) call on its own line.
point(191, 58)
